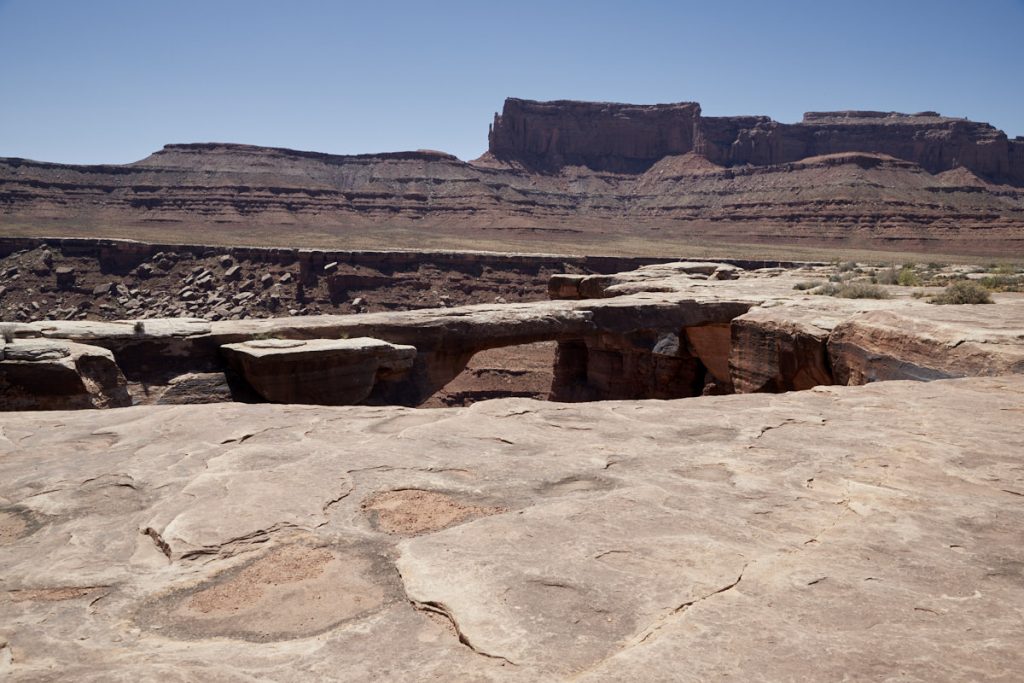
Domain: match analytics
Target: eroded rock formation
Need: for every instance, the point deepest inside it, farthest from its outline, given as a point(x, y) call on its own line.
point(572, 175)
point(661, 331)
point(330, 372)
point(42, 374)
point(607, 136)
point(602, 136)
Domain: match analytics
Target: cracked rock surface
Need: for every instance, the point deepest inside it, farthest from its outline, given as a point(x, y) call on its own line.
point(747, 537)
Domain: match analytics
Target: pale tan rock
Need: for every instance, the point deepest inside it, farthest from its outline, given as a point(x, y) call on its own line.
point(930, 342)
point(153, 328)
point(750, 537)
point(565, 286)
point(321, 371)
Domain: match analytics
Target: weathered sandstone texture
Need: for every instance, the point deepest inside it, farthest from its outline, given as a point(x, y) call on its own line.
point(331, 372)
point(40, 374)
point(841, 533)
point(568, 173)
point(933, 343)
point(670, 330)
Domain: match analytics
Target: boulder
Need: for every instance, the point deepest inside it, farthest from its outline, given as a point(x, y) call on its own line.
point(565, 286)
point(65, 276)
point(319, 371)
point(39, 374)
point(196, 387)
point(41, 262)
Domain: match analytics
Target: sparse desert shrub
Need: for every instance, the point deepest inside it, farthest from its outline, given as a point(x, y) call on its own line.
point(888, 276)
point(807, 284)
point(862, 290)
point(908, 277)
point(827, 289)
point(919, 294)
point(1002, 268)
point(853, 290)
point(963, 292)
point(847, 266)
point(1003, 283)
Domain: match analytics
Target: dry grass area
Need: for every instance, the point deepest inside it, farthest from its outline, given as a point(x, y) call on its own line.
point(602, 241)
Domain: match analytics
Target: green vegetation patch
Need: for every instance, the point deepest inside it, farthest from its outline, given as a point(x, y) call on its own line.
point(963, 292)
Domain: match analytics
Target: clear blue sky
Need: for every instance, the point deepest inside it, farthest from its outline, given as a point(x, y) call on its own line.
point(110, 81)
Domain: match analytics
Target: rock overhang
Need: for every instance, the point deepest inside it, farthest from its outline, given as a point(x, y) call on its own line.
point(733, 330)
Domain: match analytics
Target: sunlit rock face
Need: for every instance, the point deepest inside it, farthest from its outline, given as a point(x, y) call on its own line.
point(518, 540)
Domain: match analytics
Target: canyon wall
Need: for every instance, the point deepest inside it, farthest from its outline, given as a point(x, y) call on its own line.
point(602, 136)
point(571, 177)
point(631, 138)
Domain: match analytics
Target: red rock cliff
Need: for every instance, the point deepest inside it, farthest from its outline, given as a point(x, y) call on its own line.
point(600, 135)
point(631, 138)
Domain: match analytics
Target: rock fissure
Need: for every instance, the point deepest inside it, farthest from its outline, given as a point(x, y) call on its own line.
point(394, 468)
point(227, 548)
point(245, 437)
point(334, 501)
point(443, 611)
point(651, 631)
point(159, 542)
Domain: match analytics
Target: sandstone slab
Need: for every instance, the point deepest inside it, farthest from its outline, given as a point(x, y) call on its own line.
point(930, 342)
point(38, 374)
point(753, 537)
point(321, 371)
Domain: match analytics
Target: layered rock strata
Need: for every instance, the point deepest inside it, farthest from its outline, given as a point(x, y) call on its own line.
point(596, 176)
point(933, 343)
point(736, 536)
point(605, 136)
point(601, 136)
